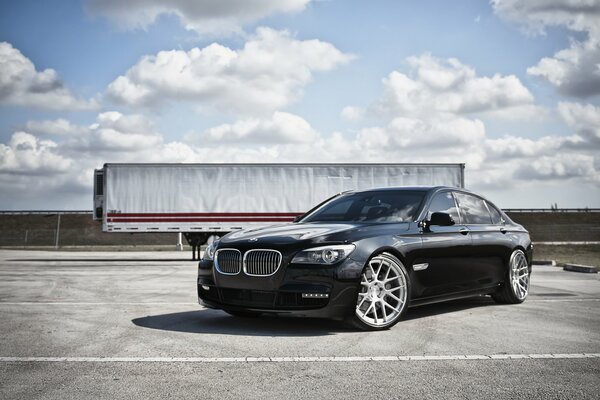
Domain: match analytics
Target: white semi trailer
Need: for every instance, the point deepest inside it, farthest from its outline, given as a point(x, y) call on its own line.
point(202, 200)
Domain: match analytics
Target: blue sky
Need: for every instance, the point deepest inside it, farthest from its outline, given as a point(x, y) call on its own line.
point(508, 87)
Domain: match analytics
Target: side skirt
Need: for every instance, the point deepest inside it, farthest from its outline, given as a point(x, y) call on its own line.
point(453, 296)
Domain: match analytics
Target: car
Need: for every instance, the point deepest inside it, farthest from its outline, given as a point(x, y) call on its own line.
point(367, 256)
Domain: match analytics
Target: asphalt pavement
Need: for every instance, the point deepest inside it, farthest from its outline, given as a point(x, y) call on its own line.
point(127, 324)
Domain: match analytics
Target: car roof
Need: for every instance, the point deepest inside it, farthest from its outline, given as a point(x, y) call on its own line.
point(430, 190)
point(407, 188)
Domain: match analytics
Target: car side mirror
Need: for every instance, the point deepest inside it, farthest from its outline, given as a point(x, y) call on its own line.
point(441, 219)
point(298, 218)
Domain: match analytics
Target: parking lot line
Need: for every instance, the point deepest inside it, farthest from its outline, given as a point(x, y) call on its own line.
point(204, 360)
point(154, 303)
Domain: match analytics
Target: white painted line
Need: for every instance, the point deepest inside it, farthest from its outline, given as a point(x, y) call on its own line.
point(566, 243)
point(559, 300)
point(148, 303)
point(205, 360)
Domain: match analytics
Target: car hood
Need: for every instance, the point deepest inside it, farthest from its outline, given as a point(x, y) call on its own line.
point(313, 232)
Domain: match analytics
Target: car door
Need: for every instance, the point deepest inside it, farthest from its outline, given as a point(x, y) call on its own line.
point(440, 266)
point(486, 265)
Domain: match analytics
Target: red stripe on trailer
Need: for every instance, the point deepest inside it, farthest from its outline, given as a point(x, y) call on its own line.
point(202, 219)
point(222, 214)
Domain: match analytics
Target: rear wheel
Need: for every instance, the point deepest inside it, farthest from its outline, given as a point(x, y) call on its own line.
point(516, 286)
point(383, 294)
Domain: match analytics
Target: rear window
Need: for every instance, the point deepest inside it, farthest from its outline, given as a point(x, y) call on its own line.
point(384, 206)
point(496, 215)
point(472, 209)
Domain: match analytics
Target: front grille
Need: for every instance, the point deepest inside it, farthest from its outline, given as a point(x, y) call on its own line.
point(267, 300)
point(248, 298)
point(228, 261)
point(292, 300)
point(261, 262)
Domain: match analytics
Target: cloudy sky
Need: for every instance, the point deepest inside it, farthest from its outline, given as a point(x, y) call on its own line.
point(509, 87)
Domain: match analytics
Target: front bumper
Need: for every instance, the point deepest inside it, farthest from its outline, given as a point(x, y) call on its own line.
point(296, 290)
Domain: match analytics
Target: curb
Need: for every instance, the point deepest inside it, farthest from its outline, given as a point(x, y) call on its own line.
point(580, 268)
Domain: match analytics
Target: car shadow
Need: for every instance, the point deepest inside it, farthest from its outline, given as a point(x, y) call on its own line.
point(218, 322)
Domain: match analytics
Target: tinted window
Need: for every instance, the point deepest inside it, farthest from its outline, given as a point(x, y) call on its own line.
point(443, 202)
point(337, 210)
point(472, 209)
point(387, 206)
point(496, 215)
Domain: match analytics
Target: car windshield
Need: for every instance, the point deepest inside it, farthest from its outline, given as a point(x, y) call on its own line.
point(383, 206)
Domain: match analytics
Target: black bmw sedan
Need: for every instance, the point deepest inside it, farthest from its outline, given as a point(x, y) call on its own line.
point(367, 256)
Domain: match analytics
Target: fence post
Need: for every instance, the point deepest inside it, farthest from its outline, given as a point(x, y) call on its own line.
point(57, 231)
point(26, 234)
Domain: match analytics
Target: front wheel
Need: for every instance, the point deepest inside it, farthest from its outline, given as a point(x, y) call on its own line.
point(516, 287)
point(383, 294)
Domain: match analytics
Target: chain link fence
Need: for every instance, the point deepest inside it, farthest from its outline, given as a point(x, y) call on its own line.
point(71, 230)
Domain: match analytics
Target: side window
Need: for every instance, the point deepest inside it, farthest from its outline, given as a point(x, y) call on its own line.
point(496, 215)
point(443, 202)
point(473, 209)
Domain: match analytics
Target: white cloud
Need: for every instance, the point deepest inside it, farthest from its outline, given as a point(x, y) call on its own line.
point(429, 116)
point(268, 73)
point(36, 172)
point(514, 147)
point(448, 86)
point(574, 71)
point(282, 127)
point(535, 15)
point(59, 127)
point(440, 133)
point(352, 113)
point(115, 132)
point(559, 166)
point(204, 16)
point(25, 154)
point(111, 132)
point(22, 85)
point(584, 119)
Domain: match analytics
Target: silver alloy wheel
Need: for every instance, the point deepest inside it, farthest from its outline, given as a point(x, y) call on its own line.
point(383, 292)
point(519, 274)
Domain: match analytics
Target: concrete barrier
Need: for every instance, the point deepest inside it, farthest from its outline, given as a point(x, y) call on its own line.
point(580, 268)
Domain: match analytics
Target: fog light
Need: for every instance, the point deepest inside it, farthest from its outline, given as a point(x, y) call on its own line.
point(204, 287)
point(315, 295)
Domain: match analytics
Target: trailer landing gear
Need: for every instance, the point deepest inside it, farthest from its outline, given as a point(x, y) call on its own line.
point(197, 239)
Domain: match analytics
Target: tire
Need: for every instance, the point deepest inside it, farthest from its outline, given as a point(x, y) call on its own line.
point(243, 314)
point(383, 295)
point(515, 288)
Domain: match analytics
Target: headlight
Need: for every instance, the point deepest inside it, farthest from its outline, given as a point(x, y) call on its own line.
point(324, 255)
point(209, 253)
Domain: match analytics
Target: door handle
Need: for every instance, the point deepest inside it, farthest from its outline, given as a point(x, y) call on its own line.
point(503, 230)
point(464, 231)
